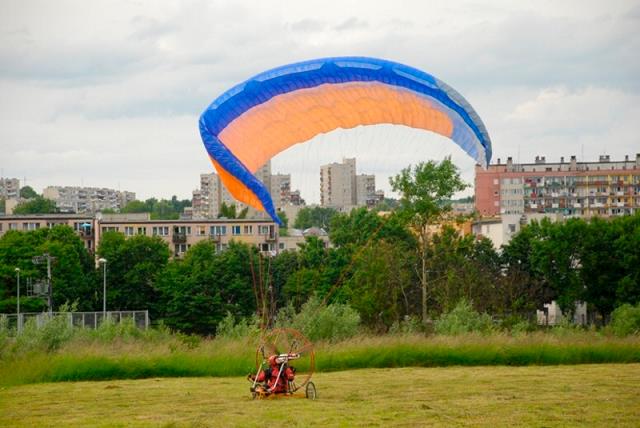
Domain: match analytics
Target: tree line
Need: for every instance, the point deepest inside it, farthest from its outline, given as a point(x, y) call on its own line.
point(409, 264)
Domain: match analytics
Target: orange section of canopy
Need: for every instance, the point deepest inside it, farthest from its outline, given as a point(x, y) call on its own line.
point(237, 188)
point(295, 117)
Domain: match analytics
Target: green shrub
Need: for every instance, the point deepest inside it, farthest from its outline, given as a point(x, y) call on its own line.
point(625, 320)
point(407, 326)
point(521, 327)
point(463, 319)
point(109, 330)
point(4, 337)
point(321, 322)
point(55, 332)
point(228, 328)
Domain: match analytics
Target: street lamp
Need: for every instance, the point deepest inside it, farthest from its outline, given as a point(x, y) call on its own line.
point(18, 287)
point(103, 261)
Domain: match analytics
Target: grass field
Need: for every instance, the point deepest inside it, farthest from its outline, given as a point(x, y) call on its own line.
point(595, 395)
point(137, 358)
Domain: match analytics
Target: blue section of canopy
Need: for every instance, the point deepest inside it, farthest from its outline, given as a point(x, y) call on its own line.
point(309, 74)
point(469, 132)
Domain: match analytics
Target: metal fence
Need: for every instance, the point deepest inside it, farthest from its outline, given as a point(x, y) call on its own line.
point(90, 320)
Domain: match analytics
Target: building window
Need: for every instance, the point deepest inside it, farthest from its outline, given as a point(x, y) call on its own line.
point(219, 230)
point(128, 230)
point(182, 230)
point(160, 231)
point(263, 230)
point(281, 245)
point(181, 248)
point(142, 231)
point(235, 230)
point(30, 226)
point(13, 226)
point(248, 230)
point(201, 230)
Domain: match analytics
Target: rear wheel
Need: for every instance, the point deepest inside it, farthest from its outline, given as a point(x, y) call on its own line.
point(310, 391)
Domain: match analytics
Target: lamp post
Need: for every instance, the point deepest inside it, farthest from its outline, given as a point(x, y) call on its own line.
point(18, 287)
point(103, 261)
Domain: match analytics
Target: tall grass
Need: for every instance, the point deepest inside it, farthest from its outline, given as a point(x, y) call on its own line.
point(103, 354)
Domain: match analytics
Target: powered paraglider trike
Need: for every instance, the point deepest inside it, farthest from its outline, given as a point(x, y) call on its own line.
point(285, 361)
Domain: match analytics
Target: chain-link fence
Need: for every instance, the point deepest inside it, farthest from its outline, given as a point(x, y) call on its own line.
point(77, 319)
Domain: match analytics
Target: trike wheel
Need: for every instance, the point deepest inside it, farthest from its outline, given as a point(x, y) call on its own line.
point(310, 391)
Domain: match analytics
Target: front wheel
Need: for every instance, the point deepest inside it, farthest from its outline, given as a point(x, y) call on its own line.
point(310, 391)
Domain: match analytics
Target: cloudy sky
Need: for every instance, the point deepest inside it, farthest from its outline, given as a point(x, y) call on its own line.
point(108, 93)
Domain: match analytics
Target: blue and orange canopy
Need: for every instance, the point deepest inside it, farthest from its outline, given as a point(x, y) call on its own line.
point(259, 118)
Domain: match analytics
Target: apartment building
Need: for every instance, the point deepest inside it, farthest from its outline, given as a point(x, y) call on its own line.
point(179, 235)
point(582, 189)
point(84, 225)
point(80, 200)
point(338, 184)
point(9, 188)
point(208, 199)
point(342, 189)
point(281, 190)
point(366, 194)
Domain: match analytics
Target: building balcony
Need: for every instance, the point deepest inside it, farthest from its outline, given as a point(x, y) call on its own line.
point(270, 237)
point(86, 234)
point(179, 238)
point(214, 237)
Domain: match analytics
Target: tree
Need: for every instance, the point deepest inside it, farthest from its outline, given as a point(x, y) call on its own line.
point(379, 286)
point(27, 192)
point(135, 207)
point(285, 222)
point(362, 226)
point(425, 190)
point(158, 210)
point(230, 211)
point(314, 217)
point(37, 205)
point(133, 267)
point(197, 292)
point(72, 271)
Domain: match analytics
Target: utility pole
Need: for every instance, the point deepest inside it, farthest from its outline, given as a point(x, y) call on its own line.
point(39, 260)
point(18, 323)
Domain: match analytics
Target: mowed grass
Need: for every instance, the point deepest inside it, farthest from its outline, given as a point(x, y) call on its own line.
point(592, 395)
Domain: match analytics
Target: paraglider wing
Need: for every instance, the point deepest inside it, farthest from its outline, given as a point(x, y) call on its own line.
point(261, 117)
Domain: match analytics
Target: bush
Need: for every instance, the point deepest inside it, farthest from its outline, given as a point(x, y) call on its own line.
point(4, 337)
point(407, 326)
point(463, 319)
point(625, 320)
point(228, 328)
point(319, 322)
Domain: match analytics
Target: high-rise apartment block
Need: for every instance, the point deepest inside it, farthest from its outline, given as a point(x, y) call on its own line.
point(280, 189)
point(208, 199)
point(341, 188)
point(338, 184)
point(604, 188)
point(81, 200)
point(9, 188)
